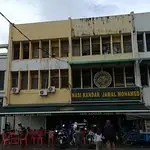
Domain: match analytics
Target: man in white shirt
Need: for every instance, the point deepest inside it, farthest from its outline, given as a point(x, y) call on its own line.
point(98, 138)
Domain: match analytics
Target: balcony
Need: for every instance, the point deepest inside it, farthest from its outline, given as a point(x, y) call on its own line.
point(101, 49)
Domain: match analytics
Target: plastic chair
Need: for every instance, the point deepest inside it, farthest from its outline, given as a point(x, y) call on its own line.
point(40, 137)
point(25, 139)
point(33, 137)
point(5, 139)
point(14, 140)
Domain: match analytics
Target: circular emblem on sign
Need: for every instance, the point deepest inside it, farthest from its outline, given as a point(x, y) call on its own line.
point(102, 79)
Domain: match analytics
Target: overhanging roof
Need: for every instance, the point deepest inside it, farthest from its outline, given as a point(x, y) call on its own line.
point(3, 45)
point(140, 115)
point(102, 61)
point(75, 108)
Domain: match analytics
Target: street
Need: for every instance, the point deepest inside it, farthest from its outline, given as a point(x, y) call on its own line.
point(45, 147)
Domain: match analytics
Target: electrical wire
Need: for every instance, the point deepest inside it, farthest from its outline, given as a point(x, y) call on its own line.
point(29, 38)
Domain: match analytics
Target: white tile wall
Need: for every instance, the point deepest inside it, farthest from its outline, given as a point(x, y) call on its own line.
point(39, 64)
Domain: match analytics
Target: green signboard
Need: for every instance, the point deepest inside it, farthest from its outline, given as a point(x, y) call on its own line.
point(106, 94)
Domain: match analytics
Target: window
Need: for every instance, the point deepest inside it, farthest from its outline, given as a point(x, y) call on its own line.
point(16, 50)
point(86, 78)
point(130, 80)
point(144, 75)
point(14, 79)
point(76, 47)
point(119, 77)
point(44, 79)
point(148, 41)
point(85, 47)
point(106, 45)
point(94, 71)
point(96, 46)
point(64, 48)
point(25, 50)
point(24, 80)
point(76, 78)
point(110, 71)
point(116, 44)
point(2, 76)
point(1, 102)
point(35, 50)
point(55, 78)
point(34, 79)
point(64, 78)
point(55, 48)
point(45, 49)
point(140, 42)
point(127, 43)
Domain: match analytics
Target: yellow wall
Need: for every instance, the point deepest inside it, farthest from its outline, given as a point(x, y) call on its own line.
point(103, 57)
point(102, 25)
point(43, 30)
point(32, 97)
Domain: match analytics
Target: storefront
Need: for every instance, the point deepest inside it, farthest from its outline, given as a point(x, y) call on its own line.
point(95, 105)
point(49, 116)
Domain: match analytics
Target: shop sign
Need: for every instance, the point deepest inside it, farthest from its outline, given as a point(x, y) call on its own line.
point(106, 94)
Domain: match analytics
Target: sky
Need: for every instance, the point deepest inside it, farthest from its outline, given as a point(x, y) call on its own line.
point(26, 11)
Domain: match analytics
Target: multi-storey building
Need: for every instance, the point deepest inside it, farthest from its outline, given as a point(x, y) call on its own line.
point(3, 61)
point(76, 66)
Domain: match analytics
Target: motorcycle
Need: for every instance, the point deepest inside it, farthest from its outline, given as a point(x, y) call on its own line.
point(62, 139)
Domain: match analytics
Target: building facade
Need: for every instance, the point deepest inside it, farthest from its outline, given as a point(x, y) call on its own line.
point(68, 66)
point(3, 61)
point(143, 43)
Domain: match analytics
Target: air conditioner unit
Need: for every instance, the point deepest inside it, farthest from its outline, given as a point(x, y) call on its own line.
point(43, 93)
point(15, 90)
point(51, 89)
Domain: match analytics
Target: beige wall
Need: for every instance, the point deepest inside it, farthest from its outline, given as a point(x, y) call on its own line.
point(103, 57)
point(62, 29)
point(43, 30)
point(79, 27)
point(33, 97)
point(102, 25)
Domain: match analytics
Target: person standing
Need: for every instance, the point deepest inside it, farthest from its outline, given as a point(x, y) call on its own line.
point(98, 138)
point(110, 135)
point(78, 138)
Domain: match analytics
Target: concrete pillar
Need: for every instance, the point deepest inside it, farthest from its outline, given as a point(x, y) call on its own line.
point(134, 45)
point(3, 120)
point(144, 39)
point(137, 74)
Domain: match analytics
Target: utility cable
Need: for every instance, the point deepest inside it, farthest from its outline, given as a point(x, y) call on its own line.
point(31, 41)
point(28, 37)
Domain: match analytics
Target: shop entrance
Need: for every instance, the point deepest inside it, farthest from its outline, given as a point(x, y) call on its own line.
point(98, 120)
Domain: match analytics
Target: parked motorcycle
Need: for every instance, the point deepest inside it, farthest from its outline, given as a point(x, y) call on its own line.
point(62, 138)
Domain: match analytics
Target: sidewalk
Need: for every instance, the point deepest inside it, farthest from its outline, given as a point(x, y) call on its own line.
point(41, 147)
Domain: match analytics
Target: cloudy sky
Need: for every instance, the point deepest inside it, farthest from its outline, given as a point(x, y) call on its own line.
point(25, 11)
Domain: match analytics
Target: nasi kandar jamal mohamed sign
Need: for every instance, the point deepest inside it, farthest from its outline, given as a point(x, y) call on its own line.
point(106, 94)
